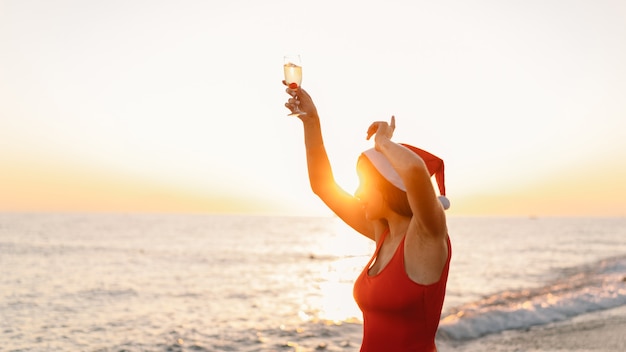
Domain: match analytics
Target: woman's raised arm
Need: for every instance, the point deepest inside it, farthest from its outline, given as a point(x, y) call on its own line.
point(321, 178)
point(427, 210)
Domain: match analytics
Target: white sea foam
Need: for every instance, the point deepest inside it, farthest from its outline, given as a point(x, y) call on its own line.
point(588, 288)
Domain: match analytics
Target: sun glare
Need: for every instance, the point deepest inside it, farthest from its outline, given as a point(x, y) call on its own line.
point(333, 301)
point(337, 303)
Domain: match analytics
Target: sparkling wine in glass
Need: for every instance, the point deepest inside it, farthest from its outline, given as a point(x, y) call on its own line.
point(293, 77)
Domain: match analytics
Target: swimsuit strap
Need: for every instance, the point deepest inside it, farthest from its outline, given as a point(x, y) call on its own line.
point(378, 246)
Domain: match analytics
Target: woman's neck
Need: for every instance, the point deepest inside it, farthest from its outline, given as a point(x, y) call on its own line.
point(398, 225)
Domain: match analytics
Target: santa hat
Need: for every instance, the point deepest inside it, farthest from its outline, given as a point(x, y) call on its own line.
point(434, 164)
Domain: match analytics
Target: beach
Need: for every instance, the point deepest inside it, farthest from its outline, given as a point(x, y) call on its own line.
point(598, 331)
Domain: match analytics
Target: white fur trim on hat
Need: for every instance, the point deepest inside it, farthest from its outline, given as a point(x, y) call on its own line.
point(382, 164)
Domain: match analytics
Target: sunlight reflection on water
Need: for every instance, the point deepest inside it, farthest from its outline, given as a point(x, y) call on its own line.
point(334, 301)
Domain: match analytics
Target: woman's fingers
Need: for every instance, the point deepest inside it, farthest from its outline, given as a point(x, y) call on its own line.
point(290, 92)
point(372, 130)
point(392, 127)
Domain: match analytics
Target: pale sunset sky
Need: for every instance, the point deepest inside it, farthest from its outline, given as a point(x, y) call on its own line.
point(177, 106)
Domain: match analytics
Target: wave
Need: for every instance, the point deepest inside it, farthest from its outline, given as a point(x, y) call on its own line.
point(584, 289)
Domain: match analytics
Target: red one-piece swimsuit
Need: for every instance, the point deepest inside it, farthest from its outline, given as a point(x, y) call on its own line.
point(398, 313)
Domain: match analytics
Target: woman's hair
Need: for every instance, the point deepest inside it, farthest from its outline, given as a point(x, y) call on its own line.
point(394, 196)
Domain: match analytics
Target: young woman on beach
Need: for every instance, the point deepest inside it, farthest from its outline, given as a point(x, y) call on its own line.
point(401, 290)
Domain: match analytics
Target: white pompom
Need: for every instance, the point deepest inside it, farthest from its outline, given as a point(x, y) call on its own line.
point(445, 202)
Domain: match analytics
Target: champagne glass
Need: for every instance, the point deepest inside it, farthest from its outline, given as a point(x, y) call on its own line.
point(293, 77)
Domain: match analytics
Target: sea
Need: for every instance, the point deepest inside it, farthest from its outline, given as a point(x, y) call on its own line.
point(174, 282)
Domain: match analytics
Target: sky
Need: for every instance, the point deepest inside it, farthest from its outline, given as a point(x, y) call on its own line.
point(178, 106)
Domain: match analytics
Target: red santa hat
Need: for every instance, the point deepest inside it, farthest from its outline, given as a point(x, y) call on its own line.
point(434, 164)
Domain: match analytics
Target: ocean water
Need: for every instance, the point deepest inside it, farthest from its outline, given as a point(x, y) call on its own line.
point(128, 282)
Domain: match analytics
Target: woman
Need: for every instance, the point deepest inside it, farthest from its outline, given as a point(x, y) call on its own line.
point(401, 290)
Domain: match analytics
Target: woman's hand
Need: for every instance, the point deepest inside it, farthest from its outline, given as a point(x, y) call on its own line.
point(302, 99)
point(382, 130)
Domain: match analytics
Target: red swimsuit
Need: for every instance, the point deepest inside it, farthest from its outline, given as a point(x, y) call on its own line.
point(398, 313)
